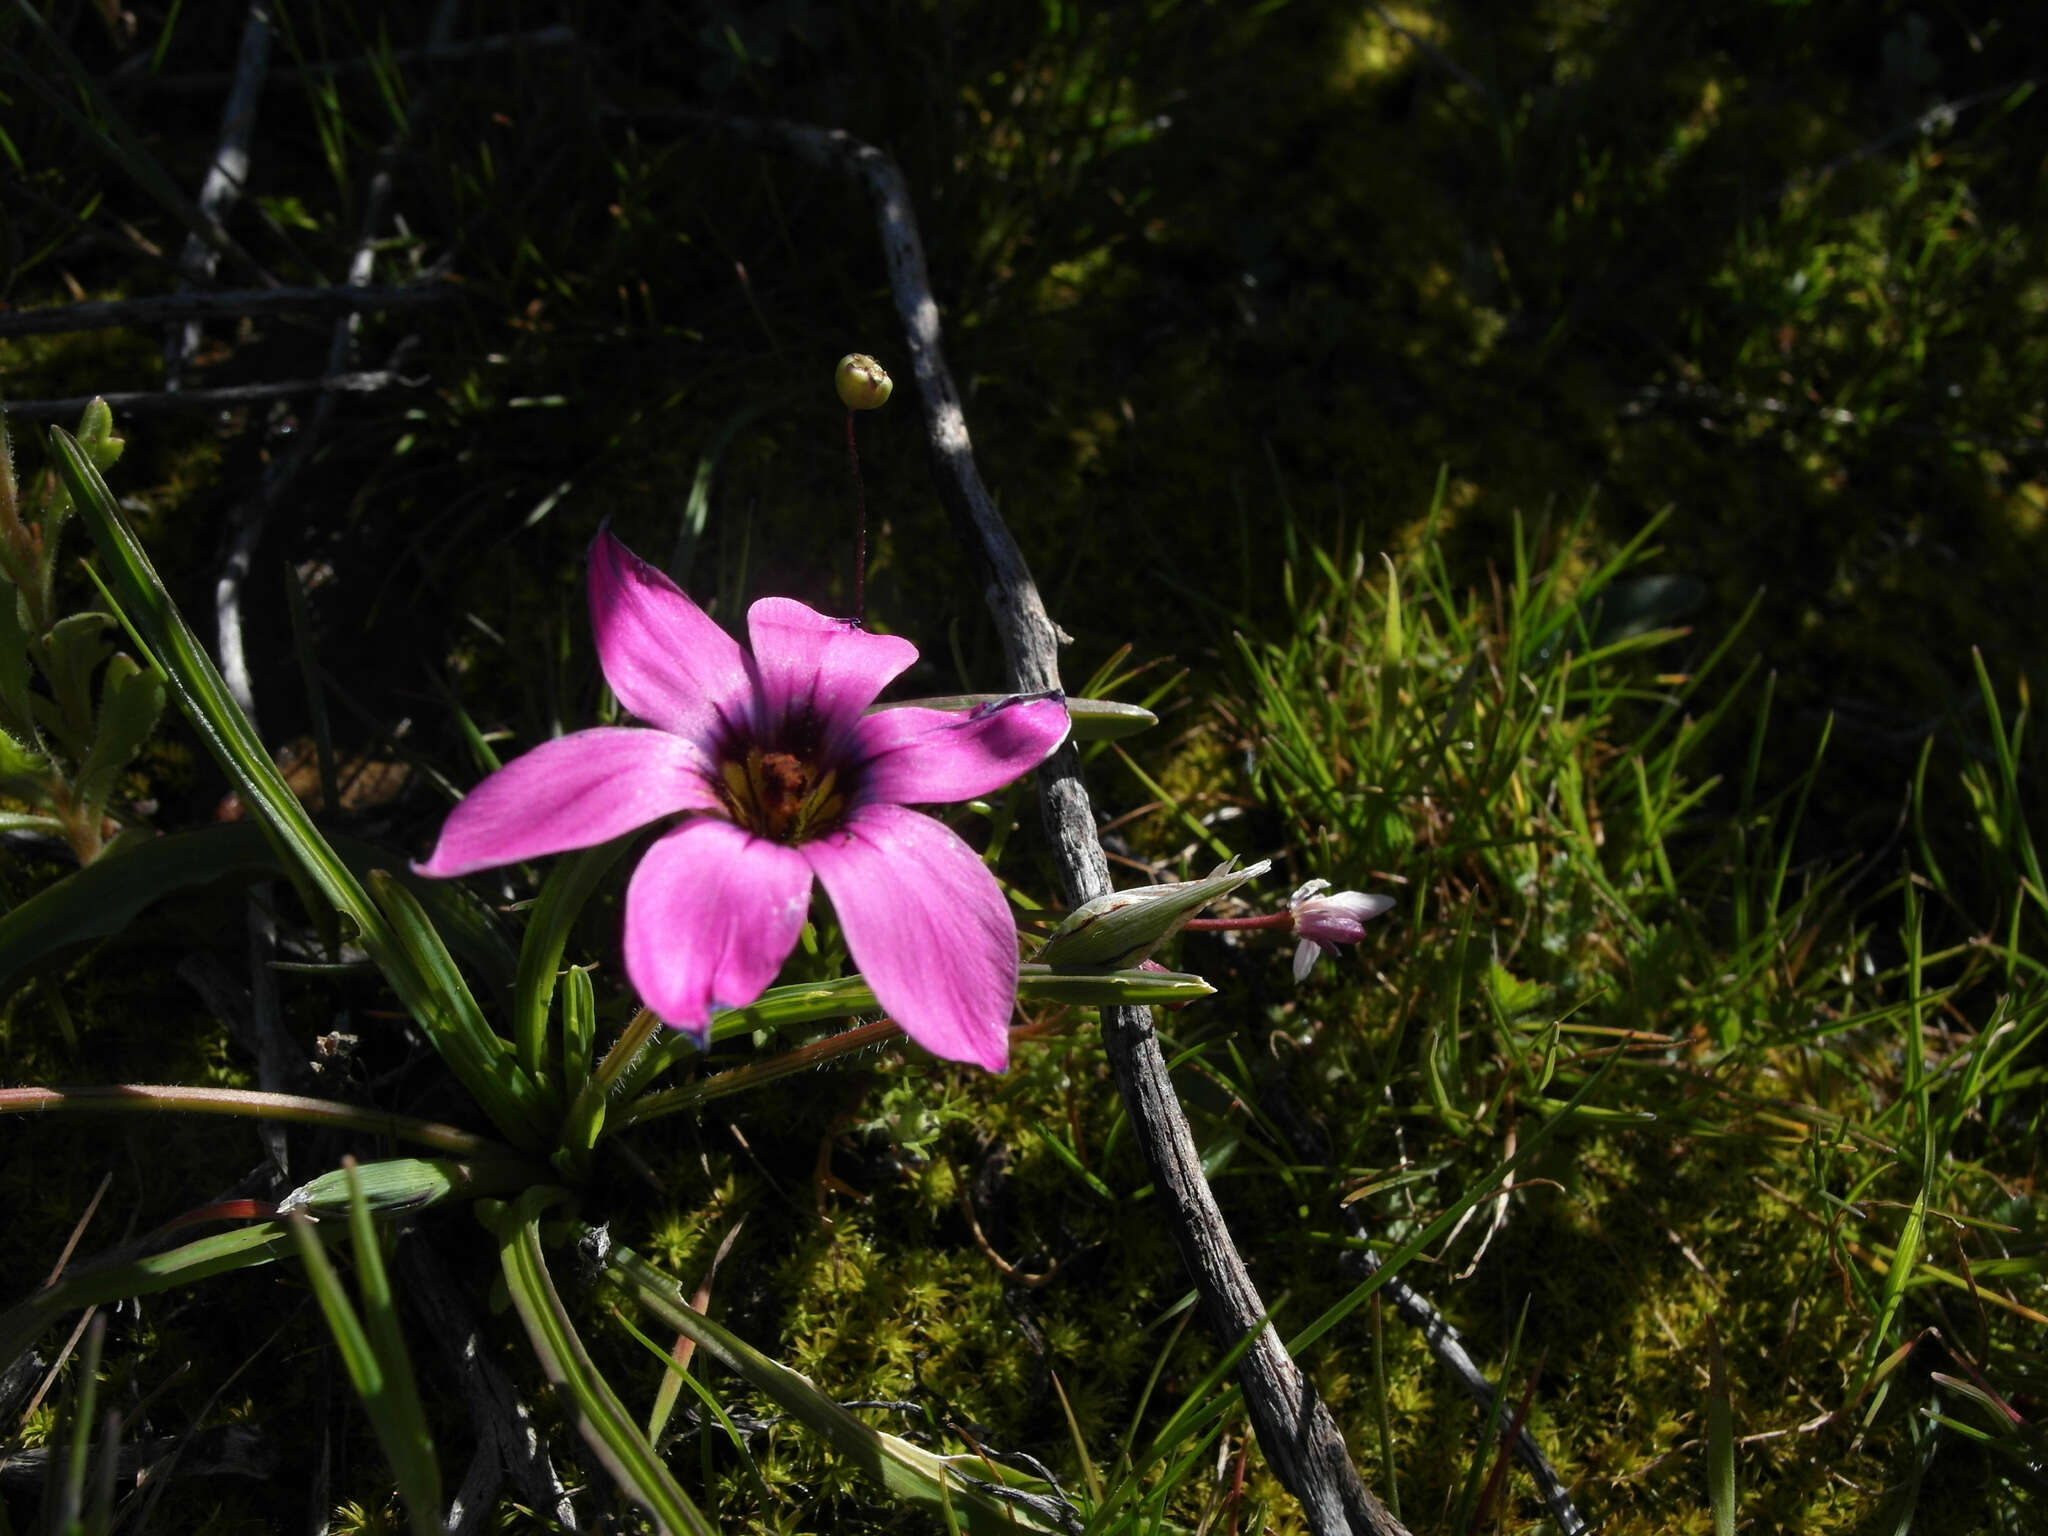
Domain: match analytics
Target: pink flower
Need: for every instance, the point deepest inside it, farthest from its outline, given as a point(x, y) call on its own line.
point(1322, 922)
point(778, 776)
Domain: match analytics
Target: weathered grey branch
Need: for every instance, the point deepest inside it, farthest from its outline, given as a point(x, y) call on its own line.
point(141, 401)
point(139, 82)
point(1295, 1427)
point(222, 188)
point(1308, 1145)
point(228, 304)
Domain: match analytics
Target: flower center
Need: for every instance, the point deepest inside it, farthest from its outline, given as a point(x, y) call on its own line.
point(780, 796)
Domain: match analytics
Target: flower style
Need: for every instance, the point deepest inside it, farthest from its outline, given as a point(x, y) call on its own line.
point(1322, 922)
point(779, 776)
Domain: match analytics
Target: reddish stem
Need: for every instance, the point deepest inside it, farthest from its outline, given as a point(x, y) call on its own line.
point(860, 545)
point(1239, 924)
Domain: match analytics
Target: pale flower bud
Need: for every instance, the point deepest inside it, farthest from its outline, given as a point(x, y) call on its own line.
point(863, 383)
point(1121, 929)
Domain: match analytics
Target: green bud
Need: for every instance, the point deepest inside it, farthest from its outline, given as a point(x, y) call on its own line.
point(1116, 931)
point(863, 383)
point(398, 1184)
point(96, 435)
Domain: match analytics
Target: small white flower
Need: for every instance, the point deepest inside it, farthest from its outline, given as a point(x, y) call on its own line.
point(1323, 922)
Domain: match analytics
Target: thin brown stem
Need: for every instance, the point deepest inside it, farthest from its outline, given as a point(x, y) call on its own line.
point(1239, 924)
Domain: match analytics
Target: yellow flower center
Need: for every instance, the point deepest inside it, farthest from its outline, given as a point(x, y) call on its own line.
point(780, 796)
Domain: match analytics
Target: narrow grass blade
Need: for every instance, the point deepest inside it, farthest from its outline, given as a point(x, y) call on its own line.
point(117, 1280)
point(148, 1098)
point(586, 1396)
point(378, 1383)
point(70, 1499)
point(402, 1417)
point(933, 1482)
point(98, 121)
point(448, 1012)
point(1720, 1438)
point(1486, 1185)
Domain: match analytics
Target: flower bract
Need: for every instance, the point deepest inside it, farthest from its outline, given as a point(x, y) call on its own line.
point(779, 777)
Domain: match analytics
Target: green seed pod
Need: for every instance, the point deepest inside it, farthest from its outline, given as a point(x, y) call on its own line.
point(863, 383)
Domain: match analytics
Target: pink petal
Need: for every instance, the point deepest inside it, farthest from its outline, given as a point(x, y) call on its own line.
point(711, 914)
point(925, 756)
point(1338, 919)
point(665, 659)
point(928, 927)
point(810, 666)
point(573, 792)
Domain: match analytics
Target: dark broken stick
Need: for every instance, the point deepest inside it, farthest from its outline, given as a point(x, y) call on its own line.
point(227, 304)
point(226, 396)
point(1295, 1428)
point(222, 188)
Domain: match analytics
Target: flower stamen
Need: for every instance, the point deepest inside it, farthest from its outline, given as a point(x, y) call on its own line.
point(780, 796)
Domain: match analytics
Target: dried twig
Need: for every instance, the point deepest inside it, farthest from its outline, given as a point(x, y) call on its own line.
point(139, 82)
point(1434, 54)
point(1295, 1428)
point(222, 188)
point(227, 304)
point(150, 401)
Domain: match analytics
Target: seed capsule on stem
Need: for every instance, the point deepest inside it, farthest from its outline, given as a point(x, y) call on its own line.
point(863, 383)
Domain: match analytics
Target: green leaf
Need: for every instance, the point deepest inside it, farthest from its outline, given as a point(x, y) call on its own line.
point(600, 1417)
point(75, 645)
point(96, 435)
point(22, 763)
point(569, 885)
point(103, 898)
point(447, 1010)
point(14, 663)
point(131, 703)
point(93, 1284)
point(1091, 719)
point(910, 1472)
point(579, 1029)
point(400, 1417)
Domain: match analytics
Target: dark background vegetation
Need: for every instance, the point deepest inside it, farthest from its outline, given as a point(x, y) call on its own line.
point(1223, 284)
